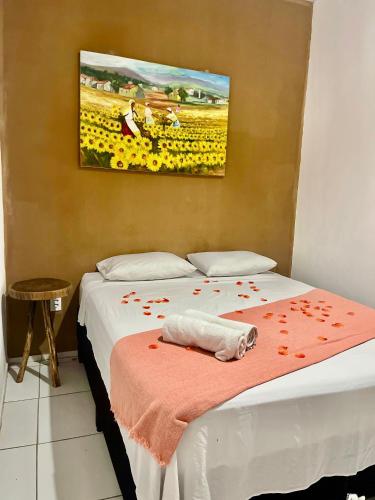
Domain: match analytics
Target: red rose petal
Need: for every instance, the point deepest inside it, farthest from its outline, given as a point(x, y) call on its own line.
point(165, 300)
point(239, 283)
point(300, 355)
point(160, 316)
point(256, 289)
point(137, 300)
point(124, 302)
point(150, 302)
point(153, 346)
point(197, 289)
point(146, 307)
point(283, 350)
point(147, 313)
point(251, 282)
point(132, 293)
point(196, 293)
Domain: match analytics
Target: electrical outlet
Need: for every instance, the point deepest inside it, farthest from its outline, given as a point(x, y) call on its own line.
point(55, 304)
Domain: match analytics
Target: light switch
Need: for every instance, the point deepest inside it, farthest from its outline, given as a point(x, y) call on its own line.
point(55, 304)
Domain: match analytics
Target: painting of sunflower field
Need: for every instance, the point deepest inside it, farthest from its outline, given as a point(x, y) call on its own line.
point(137, 116)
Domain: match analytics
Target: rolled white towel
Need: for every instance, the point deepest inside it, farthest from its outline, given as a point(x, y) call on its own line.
point(226, 343)
point(248, 329)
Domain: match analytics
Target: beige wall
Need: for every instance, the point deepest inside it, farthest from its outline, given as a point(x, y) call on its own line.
point(60, 219)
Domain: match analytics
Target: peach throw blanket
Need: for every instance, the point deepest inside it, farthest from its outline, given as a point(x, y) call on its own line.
point(158, 388)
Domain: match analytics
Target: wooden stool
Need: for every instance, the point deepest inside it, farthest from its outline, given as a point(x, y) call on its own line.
point(40, 289)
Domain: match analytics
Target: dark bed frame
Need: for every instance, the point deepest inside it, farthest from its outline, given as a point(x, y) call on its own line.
point(332, 488)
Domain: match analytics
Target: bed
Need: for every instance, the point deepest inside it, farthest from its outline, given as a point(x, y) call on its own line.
point(277, 438)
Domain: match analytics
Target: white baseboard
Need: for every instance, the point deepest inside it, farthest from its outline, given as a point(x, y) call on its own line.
point(36, 358)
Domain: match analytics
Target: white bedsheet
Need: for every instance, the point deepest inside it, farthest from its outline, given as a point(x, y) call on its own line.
point(281, 436)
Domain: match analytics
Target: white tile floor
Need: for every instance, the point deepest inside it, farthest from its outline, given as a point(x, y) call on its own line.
point(49, 447)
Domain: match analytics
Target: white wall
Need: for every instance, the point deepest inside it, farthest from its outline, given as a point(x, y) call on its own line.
point(3, 364)
point(334, 246)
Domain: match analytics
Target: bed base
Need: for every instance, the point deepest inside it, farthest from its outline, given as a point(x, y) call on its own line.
point(332, 488)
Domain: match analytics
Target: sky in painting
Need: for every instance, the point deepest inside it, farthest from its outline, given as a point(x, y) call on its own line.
point(157, 73)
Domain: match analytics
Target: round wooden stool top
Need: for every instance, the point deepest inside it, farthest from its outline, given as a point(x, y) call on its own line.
point(40, 289)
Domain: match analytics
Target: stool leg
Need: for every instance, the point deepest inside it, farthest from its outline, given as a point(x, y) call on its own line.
point(55, 379)
point(29, 338)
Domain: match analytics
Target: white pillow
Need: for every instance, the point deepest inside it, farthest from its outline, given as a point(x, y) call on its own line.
point(238, 263)
point(144, 266)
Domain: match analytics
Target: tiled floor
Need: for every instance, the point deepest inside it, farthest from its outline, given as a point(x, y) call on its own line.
point(49, 447)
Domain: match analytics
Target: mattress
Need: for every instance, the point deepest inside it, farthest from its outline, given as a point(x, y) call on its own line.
point(278, 437)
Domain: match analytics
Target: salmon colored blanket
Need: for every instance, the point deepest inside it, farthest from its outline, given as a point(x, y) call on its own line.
point(158, 388)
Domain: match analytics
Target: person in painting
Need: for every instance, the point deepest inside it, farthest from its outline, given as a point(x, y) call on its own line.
point(129, 127)
point(149, 119)
point(172, 118)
